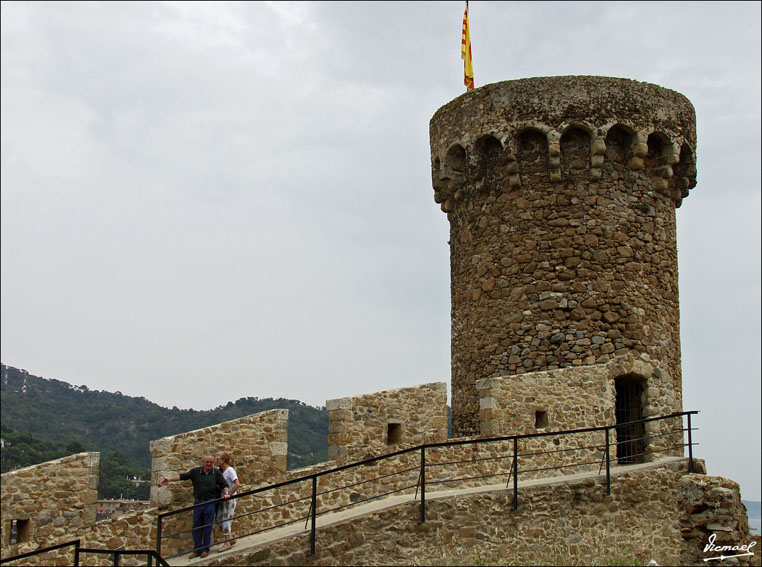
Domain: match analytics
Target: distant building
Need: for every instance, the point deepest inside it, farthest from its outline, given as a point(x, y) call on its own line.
point(137, 480)
point(114, 508)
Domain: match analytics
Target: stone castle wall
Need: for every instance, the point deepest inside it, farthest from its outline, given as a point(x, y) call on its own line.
point(133, 531)
point(560, 192)
point(673, 514)
point(49, 500)
point(373, 424)
point(577, 397)
point(57, 499)
point(568, 523)
point(258, 444)
point(361, 424)
point(360, 427)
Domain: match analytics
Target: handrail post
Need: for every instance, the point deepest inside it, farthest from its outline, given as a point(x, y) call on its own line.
point(116, 558)
point(314, 515)
point(608, 464)
point(515, 473)
point(690, 446)
point(158, 536)
point(76, 553)
point(423, 484)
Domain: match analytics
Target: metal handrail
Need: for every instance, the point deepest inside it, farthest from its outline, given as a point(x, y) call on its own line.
point(151, 554)
point(74, 543)
point(422, 482)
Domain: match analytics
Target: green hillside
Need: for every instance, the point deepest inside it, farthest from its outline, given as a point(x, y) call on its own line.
point(44, 419)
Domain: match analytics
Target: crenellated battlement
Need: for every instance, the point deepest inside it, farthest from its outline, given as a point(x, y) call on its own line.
point(562, 130)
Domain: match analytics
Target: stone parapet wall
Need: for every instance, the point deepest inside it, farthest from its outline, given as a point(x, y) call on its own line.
point(360, 427)
point(566, 523)
point(568, 398)
point(578, 398)
point(58, 499)
point(133, 531)
point(258, 444)
point(49, 501)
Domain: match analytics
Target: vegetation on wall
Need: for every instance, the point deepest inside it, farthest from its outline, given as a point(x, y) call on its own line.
point(44, 419)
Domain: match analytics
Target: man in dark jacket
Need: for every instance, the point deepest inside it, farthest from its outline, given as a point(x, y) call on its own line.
point(206, 482)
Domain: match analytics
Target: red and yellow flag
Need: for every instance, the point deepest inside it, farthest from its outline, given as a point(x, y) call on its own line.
point(465, 53)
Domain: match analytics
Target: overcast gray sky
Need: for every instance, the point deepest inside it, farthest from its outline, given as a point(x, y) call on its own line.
point(202, 202)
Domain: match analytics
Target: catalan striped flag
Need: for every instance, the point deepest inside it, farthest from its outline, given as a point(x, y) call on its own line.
point(465, 53)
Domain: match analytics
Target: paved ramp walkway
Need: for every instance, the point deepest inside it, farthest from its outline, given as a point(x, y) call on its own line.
point(249, 543)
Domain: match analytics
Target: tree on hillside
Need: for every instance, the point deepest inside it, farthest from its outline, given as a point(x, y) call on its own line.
point(59, 419)
point(118, 479)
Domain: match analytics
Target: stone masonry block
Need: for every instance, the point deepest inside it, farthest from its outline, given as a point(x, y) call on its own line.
point(338, 403)
point(160, 446)
point(278, 448)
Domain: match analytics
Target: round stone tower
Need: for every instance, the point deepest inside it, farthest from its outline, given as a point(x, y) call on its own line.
point(561, 196)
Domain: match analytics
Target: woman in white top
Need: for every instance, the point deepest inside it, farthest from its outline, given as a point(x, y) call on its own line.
point(227, 509)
